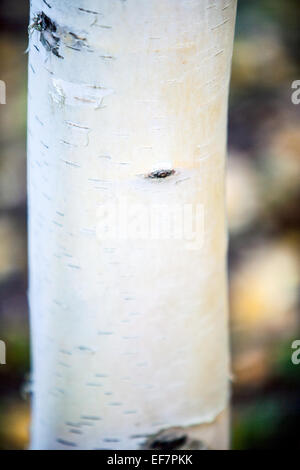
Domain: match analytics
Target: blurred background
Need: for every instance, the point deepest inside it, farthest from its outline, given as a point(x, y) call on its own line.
point(263, 201)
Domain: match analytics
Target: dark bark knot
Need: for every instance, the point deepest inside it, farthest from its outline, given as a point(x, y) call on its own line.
point(159, 174)
point(173, 439)
point(42, 22)
point(168, 442)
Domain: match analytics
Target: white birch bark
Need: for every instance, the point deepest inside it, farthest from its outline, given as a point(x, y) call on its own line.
point(129, 337)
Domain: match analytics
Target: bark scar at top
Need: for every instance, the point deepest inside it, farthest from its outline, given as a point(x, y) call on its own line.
point(52, 36)
point(48, 33)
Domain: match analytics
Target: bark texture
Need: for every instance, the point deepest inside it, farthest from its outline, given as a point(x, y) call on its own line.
point(128, 103)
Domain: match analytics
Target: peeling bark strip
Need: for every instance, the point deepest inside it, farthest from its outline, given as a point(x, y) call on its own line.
point(128, 105)
point(74, 94)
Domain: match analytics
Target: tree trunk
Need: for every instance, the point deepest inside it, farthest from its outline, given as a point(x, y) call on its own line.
point(127, 237)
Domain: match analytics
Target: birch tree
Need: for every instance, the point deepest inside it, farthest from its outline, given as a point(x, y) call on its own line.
point(127, 118)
